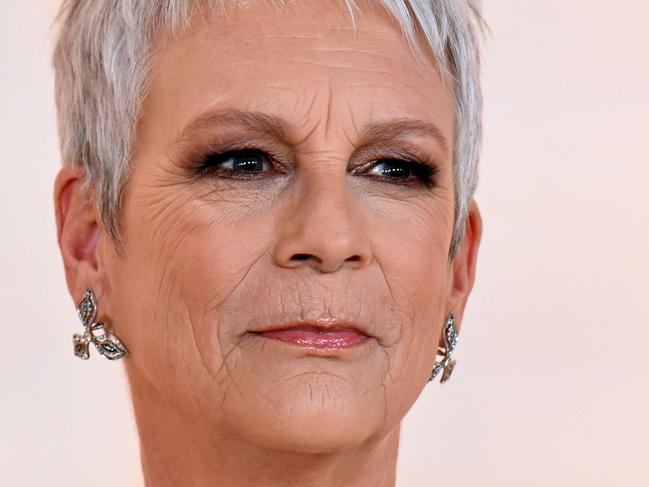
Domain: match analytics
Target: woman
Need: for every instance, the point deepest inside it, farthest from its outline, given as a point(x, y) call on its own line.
point(266, 210)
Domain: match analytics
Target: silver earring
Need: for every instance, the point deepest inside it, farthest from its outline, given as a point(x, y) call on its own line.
point(446, 363)
point(106, 342)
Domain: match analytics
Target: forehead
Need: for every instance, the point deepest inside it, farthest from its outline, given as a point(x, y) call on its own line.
point(301, 63)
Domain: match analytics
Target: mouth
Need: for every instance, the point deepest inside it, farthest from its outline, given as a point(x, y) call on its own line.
point(325, 335)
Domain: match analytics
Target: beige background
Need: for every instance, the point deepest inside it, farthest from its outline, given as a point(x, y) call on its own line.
point(552, 384)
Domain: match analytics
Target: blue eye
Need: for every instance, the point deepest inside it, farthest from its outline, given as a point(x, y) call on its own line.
point(255, 164)
point(392, 169)
point(402, 171)
point(239, 163)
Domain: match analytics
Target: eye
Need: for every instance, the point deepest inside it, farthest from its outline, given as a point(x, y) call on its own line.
point(244, 163)
point(403, 172)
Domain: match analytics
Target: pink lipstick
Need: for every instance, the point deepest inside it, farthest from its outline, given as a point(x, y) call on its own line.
point(317, 338)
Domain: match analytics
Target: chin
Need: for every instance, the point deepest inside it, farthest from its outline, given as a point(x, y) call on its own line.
point(314, 413)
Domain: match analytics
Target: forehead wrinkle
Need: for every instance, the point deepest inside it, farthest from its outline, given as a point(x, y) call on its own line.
point(304, 122)
point(355, 67)
point(329, 117)
point(308, 135)
point(354, 125)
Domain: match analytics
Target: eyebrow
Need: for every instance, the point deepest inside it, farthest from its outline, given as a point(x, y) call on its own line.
point(394, 129)
point(278, 128)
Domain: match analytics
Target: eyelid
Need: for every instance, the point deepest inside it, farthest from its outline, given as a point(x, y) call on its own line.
point(281, 161)
point(397, 149)
point(209, 166)
point(422, 173)
point(193, 155)
point(200, 163)
point(224, 157)
point(373, 154)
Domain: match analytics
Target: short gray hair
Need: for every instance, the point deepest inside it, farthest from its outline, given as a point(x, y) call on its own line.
point(102, 66)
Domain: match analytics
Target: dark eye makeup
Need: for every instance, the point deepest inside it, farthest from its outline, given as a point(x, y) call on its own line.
point(255, 164)
point(236, 164)
point(403, 171)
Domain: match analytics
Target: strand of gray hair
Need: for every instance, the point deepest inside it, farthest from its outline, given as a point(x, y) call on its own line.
point(102, 66)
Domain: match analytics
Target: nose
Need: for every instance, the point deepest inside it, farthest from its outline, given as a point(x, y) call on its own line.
point(322, 228)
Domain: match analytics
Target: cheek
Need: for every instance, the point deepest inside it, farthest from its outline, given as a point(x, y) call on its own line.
point(412, 241)
point(412, 249)
point(183, 260)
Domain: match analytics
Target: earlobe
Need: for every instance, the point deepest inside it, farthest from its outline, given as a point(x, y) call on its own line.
point(78, 230)
point(464, 264)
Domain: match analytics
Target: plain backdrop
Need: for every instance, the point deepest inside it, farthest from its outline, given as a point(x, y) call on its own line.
point(552, 382)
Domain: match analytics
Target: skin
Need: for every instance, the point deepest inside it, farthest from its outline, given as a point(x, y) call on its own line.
point(207, 258)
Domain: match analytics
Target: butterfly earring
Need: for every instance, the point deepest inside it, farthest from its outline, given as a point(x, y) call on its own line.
point(106, 342)
point(446, 363)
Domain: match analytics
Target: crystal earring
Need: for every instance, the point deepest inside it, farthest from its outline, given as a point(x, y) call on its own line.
point(106, 342)
point(446, 363)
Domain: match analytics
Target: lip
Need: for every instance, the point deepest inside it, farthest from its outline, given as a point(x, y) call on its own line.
point(326, 335)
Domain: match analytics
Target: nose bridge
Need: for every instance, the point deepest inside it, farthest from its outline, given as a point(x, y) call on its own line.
point(322, 226)
point(326, 195)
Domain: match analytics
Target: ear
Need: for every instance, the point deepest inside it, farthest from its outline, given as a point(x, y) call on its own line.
point(79, 231)
point(463, 265)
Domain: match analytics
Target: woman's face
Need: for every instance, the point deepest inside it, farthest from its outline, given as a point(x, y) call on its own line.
point(334, 200)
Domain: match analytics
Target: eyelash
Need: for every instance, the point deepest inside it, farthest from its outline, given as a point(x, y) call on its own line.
point(425, 174)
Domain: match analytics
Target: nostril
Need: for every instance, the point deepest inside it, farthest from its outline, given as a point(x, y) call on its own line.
point(301, 256)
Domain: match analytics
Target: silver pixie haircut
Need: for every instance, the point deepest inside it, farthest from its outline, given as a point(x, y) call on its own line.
point(102, 66)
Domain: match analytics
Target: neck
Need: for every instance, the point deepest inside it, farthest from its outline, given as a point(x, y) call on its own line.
point(174, 452)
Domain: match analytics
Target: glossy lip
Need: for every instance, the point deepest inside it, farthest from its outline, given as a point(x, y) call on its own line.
point(328, 335)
